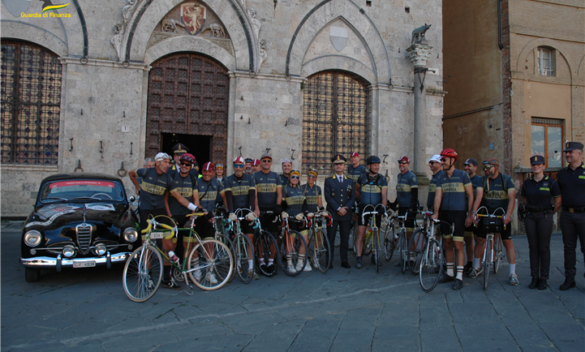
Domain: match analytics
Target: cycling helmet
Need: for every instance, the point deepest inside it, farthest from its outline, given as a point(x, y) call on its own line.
point(188, 158)
point(249, 160)
point(450, 153)
point(372, 159)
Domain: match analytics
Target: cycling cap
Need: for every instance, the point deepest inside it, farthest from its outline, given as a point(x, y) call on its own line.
point(219, 166)
point(404, 158)
point(249, 160)
point(239, 160)
point(256, 162)
point(470, 161)
point(208, 166)
point(354, 154)
point(295, 172)
point(435, 158)
point(286, 160)
point(161, 156)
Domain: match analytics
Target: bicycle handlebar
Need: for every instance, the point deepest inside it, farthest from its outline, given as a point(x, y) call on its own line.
point(152, 224)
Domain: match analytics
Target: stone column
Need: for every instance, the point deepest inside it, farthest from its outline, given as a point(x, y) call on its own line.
point(419, 54)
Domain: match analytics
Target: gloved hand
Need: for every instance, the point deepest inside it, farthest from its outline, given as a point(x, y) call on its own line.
point(233, 217)
point(321, 208)
point(299, 216)
point(250, 217)
point(310, 215)
point(284, 215)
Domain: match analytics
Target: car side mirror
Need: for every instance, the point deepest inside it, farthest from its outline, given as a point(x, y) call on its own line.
point(132, 199)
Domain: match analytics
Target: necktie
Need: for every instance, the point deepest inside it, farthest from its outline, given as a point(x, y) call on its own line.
point(340, 180)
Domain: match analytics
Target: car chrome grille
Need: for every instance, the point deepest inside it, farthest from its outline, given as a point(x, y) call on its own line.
point(83, 237)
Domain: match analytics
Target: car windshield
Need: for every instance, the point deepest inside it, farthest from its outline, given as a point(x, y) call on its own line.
point(82, 191)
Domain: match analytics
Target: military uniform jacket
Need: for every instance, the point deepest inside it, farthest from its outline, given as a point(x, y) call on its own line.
point(339, 195)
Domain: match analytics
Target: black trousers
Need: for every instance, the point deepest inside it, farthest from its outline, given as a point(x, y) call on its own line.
point(344, 227)
point(538, 230)
point(573, 227)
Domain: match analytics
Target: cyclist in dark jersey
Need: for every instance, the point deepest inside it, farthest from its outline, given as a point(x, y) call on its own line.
point(450, 207)
point(435, 166)
point(286, 169)
point(476, 182)
point(407, 194)
point(371, 189)
point(354, 171)
point(268, 188)
point(155, 183)
point(312, 192)
point(248, 166)
point(295, 201)
point(240, 193)
point(220, 176)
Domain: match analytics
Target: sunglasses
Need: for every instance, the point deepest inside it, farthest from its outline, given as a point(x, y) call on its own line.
point(295, 177)
point(311, 176)
point(443, 159)
point(266, 161)
point(186, 164)
point(433, 162)
point(487, 167)
point(238, 166)
point(403, 162)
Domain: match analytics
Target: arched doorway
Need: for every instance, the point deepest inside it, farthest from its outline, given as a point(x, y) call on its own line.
point(336, 119)
point(188, 103)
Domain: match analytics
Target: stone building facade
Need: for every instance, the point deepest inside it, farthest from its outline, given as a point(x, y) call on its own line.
point(230, 77)
point(515, 76)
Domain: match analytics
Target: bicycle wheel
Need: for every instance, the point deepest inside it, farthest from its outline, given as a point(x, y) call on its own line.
point(265, 247)
point(487, 261)
point(376, 248)
point(431, 266)
point(292, 258)
point(498, 255)
point(416, 248)
point(388, 232)
point(142, 273)
point(230, 244)
point(210, 264)
point(403, 251)
point(244, 252)
point(319, 251)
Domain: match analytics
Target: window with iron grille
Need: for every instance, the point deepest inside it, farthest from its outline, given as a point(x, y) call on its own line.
point(31, 104)
point(335, 119)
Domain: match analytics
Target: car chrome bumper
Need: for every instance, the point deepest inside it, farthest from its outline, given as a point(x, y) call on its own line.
point(50, 262)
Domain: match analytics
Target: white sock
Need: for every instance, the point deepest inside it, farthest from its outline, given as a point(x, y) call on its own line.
point(476, 263)
point(250, 263)
point(512, 269)
point(261, 260)
point(270, 262)
point(460, 273)
point(450, 269)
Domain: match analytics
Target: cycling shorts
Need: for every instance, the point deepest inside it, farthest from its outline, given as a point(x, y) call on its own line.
point(455, 218)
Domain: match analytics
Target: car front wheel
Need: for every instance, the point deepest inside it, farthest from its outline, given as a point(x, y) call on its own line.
point(32, 275)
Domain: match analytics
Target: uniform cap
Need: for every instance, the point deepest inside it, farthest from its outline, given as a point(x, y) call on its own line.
point(208, 166)
point(239, 160)
point(338, 159)
point(404, 158)
point(570, 146)
point(536, 159)
point(256, 162)
point(435, 158)
point(180, 148)
point(161, 156)
point(471, 161)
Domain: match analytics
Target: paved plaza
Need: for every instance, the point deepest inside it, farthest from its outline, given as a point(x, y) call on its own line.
point(343, 310)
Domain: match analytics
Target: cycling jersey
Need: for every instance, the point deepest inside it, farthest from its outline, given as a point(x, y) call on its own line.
point(453, 189)
point(294, 198)
point(185, 186)
point(153, 188)
point(404, 186)
point(282, 179)
point(266, 185)
point(495, 192)
point(312, 194)
point(207, 192)
point(371, 189)
point(240, 189)
point(432, 188)
point(355, 172)
point(219, 199)
point(476, 182)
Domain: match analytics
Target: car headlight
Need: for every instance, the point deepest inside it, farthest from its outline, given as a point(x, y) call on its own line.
point(100, 249)
point(32, 238)
point(130, 235)
point(68, 251)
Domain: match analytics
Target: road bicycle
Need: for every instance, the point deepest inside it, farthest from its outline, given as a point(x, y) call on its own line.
point(372, 235)
point(242, 247)
point(319, 246)
point(209, 263)
point(291, 247)
point(265, 246)
point(493, 251)
point(430, 267)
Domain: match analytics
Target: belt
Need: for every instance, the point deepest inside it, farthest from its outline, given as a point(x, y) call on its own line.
point(536, 209)
point(574, 210)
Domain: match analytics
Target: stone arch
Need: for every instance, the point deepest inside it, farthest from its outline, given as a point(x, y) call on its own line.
point(338, 62)
point(230, 12)
point(189, 44)
point(581, 70)
point(321, 17)
point(36, 35)
point(560, 47)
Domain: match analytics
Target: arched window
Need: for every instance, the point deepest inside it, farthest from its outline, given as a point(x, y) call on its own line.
point(546, 61)
point(31, 104)
point(336, 119)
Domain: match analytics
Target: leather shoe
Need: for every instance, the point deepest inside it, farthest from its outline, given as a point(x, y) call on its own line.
point(533, 283)
point(458, 284)
point(542, 284)
point(345, 265)
point(358, 263)
point(446, 278)
point(568, 284)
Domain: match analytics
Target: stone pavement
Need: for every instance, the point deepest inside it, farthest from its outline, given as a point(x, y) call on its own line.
point(343, 310)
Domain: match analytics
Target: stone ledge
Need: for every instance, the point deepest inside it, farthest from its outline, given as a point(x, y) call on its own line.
point(25, 167)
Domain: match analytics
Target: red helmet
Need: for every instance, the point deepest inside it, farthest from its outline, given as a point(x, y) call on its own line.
point(188, 158)
point(450, 153)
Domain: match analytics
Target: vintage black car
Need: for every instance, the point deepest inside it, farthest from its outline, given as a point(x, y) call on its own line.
point(79, 220)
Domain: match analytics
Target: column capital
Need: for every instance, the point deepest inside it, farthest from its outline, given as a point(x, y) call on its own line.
point(419, 53)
